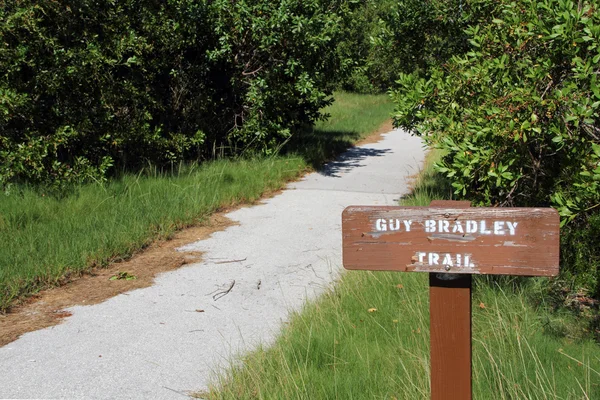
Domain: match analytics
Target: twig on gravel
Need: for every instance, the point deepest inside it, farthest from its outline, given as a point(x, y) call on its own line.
point(310, 250)
point(313, 269)
point(222, 293)
point(176, 391)
point(230, 261)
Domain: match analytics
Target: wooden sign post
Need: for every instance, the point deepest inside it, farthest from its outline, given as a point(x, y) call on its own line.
point(451, 241)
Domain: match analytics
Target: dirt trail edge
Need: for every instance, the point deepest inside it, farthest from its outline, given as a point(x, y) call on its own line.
point(166, 340)
point(47, 308)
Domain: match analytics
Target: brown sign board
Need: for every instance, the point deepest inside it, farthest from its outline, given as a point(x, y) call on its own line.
point(503, 241)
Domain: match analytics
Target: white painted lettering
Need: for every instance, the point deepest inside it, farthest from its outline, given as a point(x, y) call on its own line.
point(471, 226)
point(445, 259)
point(443, 226)
point(468, 262)
point(434, 258)
point(499, 228)
point(512, 226)
point(457, 228)
point(381, 225)
point(407, 225)
point(448, 260)
point(483, 229)
point(396, 226)
point(430, 226)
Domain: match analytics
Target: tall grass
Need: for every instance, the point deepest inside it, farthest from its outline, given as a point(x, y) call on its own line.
point(46, 239)
point(368, 338)
point(518, 354)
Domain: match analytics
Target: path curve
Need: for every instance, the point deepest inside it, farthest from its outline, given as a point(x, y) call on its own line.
point(166, 340)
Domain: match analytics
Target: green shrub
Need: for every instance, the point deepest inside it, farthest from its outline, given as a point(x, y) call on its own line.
point(579, 252)
point(86, 86)
point(386, 38)
point(517, 112)
point(282, 61)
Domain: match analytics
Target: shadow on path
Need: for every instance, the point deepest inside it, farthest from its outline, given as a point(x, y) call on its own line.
point(330, 152)
point(349, 160)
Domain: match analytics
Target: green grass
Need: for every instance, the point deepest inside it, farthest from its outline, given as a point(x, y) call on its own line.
point(45, 239)
point(340, 348)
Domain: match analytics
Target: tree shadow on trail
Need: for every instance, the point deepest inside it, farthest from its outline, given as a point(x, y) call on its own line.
point(349, 160)
point(330, 152)
point(317, 146)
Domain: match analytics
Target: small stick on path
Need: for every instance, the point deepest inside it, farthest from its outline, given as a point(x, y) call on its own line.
point(222, 293)
point(230, 261)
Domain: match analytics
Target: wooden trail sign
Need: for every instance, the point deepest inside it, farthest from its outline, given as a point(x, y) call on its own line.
point(451, 241)
point(502, 241)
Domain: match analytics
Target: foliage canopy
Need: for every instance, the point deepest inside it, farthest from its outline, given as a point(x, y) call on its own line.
point(91, 87)
point(517, 111)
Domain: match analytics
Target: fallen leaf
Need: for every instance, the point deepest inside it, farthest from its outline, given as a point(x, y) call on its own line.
point(481, 305)
point(122, 276)
point(199, 310)
point(400, 286)
point(372, 310)
point(395, 321)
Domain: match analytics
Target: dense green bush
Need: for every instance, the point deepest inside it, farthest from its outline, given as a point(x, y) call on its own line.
point(283, 62)
point(86, 86)
point(356, 51)
point(517, 113)
point(385, 38)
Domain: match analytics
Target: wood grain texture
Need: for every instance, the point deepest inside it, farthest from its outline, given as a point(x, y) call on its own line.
point(503, 241)
point(450, 330)
point(450, 337)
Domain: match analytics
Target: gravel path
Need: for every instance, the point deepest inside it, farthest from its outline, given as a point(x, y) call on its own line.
point(155, 343)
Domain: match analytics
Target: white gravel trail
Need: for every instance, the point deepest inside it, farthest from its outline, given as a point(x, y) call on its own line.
point(151, 344)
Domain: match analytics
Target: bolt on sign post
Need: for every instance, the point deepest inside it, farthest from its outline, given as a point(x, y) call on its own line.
point(451, 241)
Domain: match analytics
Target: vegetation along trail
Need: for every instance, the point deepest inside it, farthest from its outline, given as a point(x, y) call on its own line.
point(170, 337)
